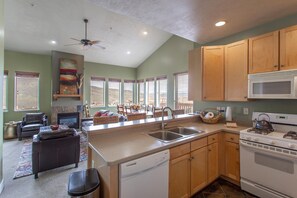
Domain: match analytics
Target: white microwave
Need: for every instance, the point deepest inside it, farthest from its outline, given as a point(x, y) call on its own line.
point(273, 85)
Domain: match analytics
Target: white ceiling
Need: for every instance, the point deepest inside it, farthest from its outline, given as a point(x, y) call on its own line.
point(30, 28)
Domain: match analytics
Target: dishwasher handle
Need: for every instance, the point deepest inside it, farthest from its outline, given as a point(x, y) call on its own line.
point(144, 170)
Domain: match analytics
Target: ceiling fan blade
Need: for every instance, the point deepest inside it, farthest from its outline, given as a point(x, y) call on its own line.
point(73, 44)
point(99, 46)
point(94, 42)
point(75, 39)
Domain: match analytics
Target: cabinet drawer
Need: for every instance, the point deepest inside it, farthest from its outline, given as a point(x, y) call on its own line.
point(212, 138)
point(179, 150)
point(230, 137)
point(198, 144)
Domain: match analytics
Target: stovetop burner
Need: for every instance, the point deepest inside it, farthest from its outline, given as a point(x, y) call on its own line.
point(259, 131)
point(291, 135)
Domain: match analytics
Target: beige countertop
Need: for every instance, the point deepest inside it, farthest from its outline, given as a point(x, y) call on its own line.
point(121, 147)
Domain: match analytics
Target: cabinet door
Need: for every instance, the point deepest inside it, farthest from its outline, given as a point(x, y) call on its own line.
point(179, 177)
point(213, 73)
point(198, 169)
point(213, 162)
point(195, 74)
point(232, 160)
point(263, 53)
point(288, 48)
point(236, 59)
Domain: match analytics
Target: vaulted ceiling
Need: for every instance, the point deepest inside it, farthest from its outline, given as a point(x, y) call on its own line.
point(31, 25)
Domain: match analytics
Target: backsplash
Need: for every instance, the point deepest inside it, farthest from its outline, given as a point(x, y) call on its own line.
point(272, 106)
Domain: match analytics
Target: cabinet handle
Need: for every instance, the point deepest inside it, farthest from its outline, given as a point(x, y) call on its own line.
point(213, 139)
point(282, 65)
point(245, 97)
point(275, 66)
point(232, 138)
point(237, 149)
point(209, 149)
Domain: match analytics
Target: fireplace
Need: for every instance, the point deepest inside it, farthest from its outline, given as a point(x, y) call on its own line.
point(69, 119)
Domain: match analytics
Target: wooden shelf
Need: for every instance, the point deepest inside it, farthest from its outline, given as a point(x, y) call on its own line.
point(57, 96)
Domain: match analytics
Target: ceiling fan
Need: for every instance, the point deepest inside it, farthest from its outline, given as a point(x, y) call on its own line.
point(86, 42)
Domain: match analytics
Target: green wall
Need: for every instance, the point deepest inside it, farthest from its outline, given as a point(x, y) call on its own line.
point(1, 89)
point(170, 58)
point(16, 61)
point(277, 106)
point(107, 71)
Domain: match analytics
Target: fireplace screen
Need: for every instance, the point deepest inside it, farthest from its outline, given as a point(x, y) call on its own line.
point(69, 119)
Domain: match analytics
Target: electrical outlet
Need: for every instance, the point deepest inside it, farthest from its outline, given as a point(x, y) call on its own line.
point(219, 108)
point(93, 163)
point(245, 111)
point(223, 109)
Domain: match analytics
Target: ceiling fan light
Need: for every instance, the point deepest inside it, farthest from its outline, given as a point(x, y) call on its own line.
point(128, 52)
point(53, 42)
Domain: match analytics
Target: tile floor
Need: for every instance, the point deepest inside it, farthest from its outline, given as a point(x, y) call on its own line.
point(223, 189)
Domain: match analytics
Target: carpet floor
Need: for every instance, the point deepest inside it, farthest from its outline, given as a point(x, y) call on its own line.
point(24, 167)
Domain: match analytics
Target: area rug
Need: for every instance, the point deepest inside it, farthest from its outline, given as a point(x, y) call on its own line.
point(24, 167)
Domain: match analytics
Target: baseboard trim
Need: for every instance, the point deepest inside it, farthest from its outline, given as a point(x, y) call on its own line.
point(1, 186)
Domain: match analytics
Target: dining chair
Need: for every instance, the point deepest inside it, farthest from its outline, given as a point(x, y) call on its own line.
point(158, 114)
point(136, 116)
point(120, 109)
point(178, 111)
point(105, 120)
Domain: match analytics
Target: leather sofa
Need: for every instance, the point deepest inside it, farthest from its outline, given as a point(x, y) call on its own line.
point(55, 149)
point(31, 124)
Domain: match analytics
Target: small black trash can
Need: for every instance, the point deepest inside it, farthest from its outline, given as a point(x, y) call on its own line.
point(84, 183)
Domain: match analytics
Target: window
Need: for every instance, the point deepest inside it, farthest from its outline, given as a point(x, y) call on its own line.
point(97, 92)
point(26, 91)
point(150, 91)
point(128, 91)
point(140, 86)
point(181, 93)
point(4, 106)
point(162, 91)
point(114, 92)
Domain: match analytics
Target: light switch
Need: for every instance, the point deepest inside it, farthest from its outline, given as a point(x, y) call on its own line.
point(245, 111)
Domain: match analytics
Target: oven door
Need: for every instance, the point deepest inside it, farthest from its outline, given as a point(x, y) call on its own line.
point(266, 173)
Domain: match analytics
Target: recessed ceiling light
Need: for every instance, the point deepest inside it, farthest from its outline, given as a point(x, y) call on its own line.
point(220, 23)
point(144, 33)
point(53, 42)
point(128, 52)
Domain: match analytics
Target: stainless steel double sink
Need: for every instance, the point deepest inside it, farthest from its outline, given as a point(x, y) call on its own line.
point(173, 134)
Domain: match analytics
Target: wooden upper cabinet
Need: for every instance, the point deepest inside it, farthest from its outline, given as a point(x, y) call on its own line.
point(213, 73)
point(263, 53)
point(288, 48)
point(195, 74)
point(236, 64)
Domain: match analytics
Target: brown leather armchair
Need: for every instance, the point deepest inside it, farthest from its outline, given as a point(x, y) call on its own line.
point(31, 124)
point(55, 149)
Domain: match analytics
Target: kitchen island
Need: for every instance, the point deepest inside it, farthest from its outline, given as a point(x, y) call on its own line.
point(113, 144)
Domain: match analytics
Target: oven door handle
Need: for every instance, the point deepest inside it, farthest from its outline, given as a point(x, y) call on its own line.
point(279, 154)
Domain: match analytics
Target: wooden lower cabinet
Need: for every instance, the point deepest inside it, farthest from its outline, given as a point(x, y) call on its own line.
point(198, 169)
point(232, 163)
point(179, 174)
point(213, 162)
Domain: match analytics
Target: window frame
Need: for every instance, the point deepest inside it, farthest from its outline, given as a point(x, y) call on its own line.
point(32, 75)
point(120, 90)
point(5, 93)
point(139, 83)
point(147, 87)
point(158, 93)
point(98, 79)
point(176, 101)
point(124, 89)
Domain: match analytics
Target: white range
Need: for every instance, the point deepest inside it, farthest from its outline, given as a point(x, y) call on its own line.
point(268, 160)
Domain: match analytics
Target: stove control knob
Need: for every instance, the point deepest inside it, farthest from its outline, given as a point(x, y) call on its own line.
point(248, 138)
point(273, 143)
point(291, 146)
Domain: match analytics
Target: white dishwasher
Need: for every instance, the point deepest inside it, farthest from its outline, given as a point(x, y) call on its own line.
point(145, 177)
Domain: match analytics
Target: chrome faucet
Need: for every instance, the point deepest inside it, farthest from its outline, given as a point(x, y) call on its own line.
point(172, 114)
